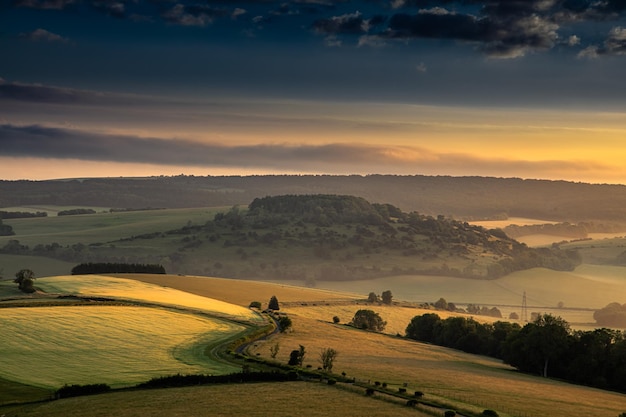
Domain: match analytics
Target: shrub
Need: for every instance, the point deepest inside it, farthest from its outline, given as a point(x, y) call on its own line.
point(255, 304)
point(336, 319)
point(411, 403)
point(369, 392)
point(489, 413)
point(449, 413)
point(332, 381)
point(418, 394)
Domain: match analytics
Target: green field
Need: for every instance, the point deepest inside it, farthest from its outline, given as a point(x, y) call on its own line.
point(102, 227)
point(51, 346)
point(47, 347)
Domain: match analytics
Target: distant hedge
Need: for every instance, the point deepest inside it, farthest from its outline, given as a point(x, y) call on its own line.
point(117, 268)
point(179, 380)
point(74, 212)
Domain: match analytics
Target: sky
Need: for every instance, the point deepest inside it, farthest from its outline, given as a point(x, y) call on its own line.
point(502, 88)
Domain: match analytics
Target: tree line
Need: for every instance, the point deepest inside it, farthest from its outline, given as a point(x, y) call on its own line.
point(117, 268)
point(546, 346)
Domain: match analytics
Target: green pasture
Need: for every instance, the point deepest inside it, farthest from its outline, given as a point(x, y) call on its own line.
point(102, 227)
point(41, 266)
point(51, 346)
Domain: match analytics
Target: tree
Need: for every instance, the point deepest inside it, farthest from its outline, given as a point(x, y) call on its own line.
point(372, 298)
point(25, 280)
point(284, 323)
point(539, 345)
point(368, 320)
point(273, 304)
point(422, 327)
point(387, 297)
point(255, 304)
point(441, 304)
point(327, 357)
point(296, 357)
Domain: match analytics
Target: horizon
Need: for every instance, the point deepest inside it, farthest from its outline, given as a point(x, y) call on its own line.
point(529, 90)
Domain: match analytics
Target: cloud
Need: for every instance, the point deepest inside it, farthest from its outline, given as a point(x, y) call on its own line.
point(614, 44)
point(348, 23)
point(44, 4)
point(501, 31)
point(43, 142)
point(111, 7)
point(38, 93)
point(194, 15)
point(42, 35)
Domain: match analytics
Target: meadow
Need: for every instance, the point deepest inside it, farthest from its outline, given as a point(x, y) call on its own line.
point(120, 346)
point(104, 226)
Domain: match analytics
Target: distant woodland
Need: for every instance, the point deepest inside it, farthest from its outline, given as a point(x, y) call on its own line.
point(463, 198)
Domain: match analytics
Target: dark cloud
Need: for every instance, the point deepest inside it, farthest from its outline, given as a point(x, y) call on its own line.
point(54, 143)
point(43, 4)
point(498, 28)
point(38, 93)
point(112, 8)
point(347, 23)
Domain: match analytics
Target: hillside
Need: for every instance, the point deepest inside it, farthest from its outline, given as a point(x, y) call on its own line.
point(460, 197)
point(316, 237)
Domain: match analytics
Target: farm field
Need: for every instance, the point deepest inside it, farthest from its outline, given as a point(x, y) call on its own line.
point(121, 288)
point(101, 227)
point(461, 380)
point(582, 290)
point(51, 346)
point(254, 400)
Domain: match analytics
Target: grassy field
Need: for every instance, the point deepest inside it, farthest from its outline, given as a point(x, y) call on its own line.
point(102, 227)
point(51, 346)
point(461, 380)
point(10, 264)
point(447, 375)
point(254, 400)
point(586, 288)
point(127, 289)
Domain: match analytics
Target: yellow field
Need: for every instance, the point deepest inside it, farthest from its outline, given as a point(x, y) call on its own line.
point(53, 346)
point(242, 292)
point(467, 381)
point(127, 289)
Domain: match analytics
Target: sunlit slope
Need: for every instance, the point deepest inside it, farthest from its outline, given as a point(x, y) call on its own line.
point(122, 288)
point(52, 346)
point(242, 292)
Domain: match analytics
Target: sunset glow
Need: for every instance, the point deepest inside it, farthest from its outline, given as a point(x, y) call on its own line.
point(309, 87)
